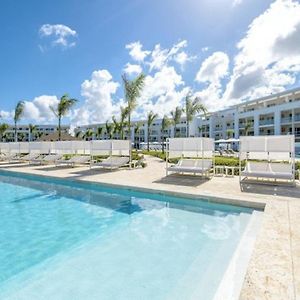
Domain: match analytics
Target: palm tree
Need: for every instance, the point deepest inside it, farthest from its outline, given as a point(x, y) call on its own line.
point(192, 107)
point(229, 133)
point(248, 126)
point(62, 109)
point(99, 132)
point(150, 118)
point(165, 124)
point(132, 89)
point(32, 131)
point(123, 116)
point(3, 128)
point(89, 134)
point(21, 136)
point(79, 134)
point(19, 110)
point(116, 126)
point(176, 117)
point(109, 129)
point(137, 129)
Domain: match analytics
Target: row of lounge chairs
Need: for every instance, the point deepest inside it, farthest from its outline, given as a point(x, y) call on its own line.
point(112, 162)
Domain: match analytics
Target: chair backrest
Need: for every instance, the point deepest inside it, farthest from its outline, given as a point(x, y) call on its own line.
point(258, 166)
point(205, 163)
point(281, 167)
point(187, 163)
point(120, 160)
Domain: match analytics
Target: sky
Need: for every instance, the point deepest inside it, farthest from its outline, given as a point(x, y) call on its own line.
point(222, 51)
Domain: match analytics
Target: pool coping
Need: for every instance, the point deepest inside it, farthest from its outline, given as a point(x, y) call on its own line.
point(206, 198)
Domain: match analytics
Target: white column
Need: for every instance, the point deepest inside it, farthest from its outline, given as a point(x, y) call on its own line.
point(277, 120)
point(256, 124)
point(236, 125)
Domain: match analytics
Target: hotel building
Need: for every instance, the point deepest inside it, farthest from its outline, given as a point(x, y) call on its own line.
point(275, 114)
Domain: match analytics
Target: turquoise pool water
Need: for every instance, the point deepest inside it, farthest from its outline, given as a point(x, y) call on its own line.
point(67, 240)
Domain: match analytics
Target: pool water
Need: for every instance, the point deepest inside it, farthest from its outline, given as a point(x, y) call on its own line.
point(68, 240)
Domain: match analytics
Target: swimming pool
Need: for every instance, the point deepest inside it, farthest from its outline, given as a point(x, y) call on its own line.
point(70, 240)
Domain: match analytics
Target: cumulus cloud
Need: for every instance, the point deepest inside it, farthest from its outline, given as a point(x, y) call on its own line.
point(136, 51)
point(132, 69)
point(213, 68)
point(59, 34)
point(236, 2)
point(268, 54)
point(98, 103)
point(39, 109)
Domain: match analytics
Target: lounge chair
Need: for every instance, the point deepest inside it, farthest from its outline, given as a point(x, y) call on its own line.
point(48, 159)
point(113, 162)
point(75, 160)
point(196, 166)
point(30, 156)
point(268, 170)
point(9, 157)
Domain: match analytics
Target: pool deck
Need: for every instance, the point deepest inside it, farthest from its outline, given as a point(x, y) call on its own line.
point(274, 268)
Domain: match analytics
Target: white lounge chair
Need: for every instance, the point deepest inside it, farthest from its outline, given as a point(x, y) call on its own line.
point(48, 159)
point(196, 166)
point(268, 170)
point(75, 160)
point(30, 156)
point(113, 162)
point(9, 157)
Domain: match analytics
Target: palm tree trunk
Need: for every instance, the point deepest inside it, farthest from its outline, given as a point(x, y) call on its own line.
point(148, 139)
point(163, 144)
point(16, 136)
point(129, 126)
point(59, 129)
point(187, 128)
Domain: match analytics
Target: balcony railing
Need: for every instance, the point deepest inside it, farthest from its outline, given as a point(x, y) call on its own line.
point(266, 122)
point(290, 119)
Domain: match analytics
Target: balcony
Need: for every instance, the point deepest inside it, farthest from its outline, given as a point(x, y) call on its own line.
point(286, 120)
point(243, 125)
point(267, 122)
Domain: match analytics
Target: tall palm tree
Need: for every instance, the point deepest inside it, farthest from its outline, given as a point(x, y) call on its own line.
point(79, 134)
point(192, 107)
point(99, 132)
point(137, 129)
point(165, 124)
point(109, 129)
point(132, 90)
point(32, 131)
point(229, 133)
point(248, 126)
point(3, 128)
point(150, 118)
point(19, 110)
point(176, 117)
point(116, 126)
point(63, 107)
point(123, 116)
point(89, 134)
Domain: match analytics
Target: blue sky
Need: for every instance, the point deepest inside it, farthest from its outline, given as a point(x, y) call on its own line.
point(79, 47)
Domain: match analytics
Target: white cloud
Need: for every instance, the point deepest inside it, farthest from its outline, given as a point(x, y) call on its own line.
point(39, 109)
point(136, 52)
point(162, 93)
point(61, 35)
point(132, 69)
point(5, 115)
point(182, 58)
point(213, 68)
point(236, 2)
point(98, 105)
point(204, 49)
point(160, 57)
point(269, 54)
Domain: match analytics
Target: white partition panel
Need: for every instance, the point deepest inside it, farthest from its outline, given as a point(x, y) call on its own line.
point(120, 147)
point(14, 147)
point(81, 147)
point(4, 148)
point(24, 147)
point(41, 147)
point(101, 147)
point(63, 147)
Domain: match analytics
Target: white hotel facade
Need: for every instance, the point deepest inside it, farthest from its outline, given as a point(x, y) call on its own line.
point(277, 114)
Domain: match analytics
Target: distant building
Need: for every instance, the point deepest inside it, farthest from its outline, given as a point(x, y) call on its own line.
point(25, 135)
point(272, 115)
